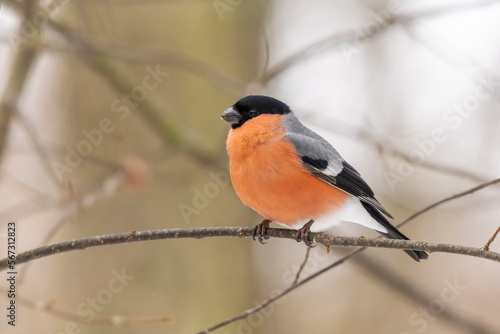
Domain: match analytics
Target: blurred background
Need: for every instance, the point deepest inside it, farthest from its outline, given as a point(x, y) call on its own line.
point(110, 122)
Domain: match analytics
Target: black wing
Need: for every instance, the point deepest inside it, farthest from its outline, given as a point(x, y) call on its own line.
point(348, 180)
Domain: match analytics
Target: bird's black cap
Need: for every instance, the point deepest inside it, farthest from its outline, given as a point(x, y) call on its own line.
point(252, 106)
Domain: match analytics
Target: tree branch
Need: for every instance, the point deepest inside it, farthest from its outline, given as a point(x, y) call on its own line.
point(116, 320)
point(263, 305)
point(488, 244)
point(351, 36)
point(297, 277)
point(256, 309)
point(19, 71)
point(130, 54)
point(404, 287)
point(169, 131)
point(462, 194)
point(243, 232)
point(337, 126)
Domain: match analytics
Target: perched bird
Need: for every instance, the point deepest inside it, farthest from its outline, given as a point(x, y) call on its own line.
point(292, 176)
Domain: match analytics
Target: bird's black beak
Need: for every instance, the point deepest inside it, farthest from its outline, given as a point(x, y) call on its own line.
point(231, 116)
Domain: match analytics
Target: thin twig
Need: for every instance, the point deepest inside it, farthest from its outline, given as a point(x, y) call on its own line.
point(404, 287)
point(440, 51)
point(24, 59)
point(249, 312)
point(117, 320)
point(352, 36)
point(488, 244)
point(19, 184)
point(81, 203)
point(172, 133)
point(61, 222)
point(40, 150)
point(256, 309)
point(131, 54)
point(297, 277)
point(339, 127)
point(439, 167)
point(462, 194)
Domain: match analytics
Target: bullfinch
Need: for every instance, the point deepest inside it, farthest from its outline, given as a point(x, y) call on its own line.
point(292, 176)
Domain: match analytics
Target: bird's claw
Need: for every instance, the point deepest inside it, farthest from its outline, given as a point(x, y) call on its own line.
point(303, 234)
point(260, 231)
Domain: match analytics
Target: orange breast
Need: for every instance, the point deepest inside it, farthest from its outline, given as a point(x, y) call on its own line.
point(269, 177)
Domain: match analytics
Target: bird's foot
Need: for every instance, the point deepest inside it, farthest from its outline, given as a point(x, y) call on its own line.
point(303, 234)
point(260, 231)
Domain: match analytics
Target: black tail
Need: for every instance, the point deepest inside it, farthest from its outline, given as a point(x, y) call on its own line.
point(393, 232)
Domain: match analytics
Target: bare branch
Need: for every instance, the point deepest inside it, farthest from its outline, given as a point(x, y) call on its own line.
point(117, 320)
point(243, 232)
point(401, 285)
point(24, 58)
point(443, 51)
point(297, 277)
point(488, 244)
point(171, 132)
point(462, 194)
point(81, 202)
point(171, 58)
point(40, 150)
point(337, 126)
point(351, 36)
point(256, 309)
point(439, 167)
point(467, 324)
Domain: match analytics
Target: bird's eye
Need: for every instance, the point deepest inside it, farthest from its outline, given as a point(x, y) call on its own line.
point(253, 113)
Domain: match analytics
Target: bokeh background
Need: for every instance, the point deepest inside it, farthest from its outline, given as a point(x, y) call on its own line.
point(110, 123)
